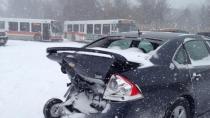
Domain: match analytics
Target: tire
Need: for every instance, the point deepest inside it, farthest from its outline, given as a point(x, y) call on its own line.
point(180, 106)
point(47, 111)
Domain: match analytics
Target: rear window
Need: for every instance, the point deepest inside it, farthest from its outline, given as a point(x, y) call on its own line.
point(146, 46)
point(143, 45)
point(120, 44)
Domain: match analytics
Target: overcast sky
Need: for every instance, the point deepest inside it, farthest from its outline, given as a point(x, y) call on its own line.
point(174, 3)
point(186, 3)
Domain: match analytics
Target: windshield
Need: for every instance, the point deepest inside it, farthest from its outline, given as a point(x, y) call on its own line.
point(57, 27)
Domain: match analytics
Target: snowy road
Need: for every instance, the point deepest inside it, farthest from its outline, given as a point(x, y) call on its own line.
point(28, 79)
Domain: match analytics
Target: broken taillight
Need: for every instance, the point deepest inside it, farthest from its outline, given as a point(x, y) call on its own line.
point(120, 88)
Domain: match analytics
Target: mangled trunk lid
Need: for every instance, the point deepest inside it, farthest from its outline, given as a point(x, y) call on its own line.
point(91, 70)
point(91, 64)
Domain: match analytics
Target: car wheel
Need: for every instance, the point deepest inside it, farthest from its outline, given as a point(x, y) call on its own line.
point(51, 108)
point(180, 109)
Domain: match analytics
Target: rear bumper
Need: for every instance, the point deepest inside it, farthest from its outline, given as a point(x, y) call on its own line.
point(134, 109)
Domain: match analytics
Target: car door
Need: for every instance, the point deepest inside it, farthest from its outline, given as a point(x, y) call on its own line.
point(199, 71)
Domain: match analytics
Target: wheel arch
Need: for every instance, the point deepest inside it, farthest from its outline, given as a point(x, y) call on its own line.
point(191, 101)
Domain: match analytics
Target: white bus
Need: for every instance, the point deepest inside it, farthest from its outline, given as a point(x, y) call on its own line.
point(32, 29)
point(93, 29)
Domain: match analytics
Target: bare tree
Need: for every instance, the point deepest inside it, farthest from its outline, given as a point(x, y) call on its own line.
point(205, 18)
point(153, 12)
point(81, 9)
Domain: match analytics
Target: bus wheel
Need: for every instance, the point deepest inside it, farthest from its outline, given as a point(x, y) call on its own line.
point(37, 37)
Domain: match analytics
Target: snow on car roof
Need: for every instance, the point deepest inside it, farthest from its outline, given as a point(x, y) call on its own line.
point(132, 54)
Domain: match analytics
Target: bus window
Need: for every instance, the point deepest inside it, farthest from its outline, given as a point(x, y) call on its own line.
point(24, 27)
point(13, 26)
point(76, 28)
point(36, 27)
point(127, 26)
point(97, 29)
point(2, 25)
point(82, 28)
point(89, 28)
point(106, 29)
point(114, 28)
point(56, 27)
point(69, 28)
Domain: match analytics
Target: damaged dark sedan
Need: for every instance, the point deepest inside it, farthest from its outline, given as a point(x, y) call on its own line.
point(151, 75)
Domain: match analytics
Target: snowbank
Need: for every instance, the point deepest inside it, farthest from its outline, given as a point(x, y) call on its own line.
point(28, 79)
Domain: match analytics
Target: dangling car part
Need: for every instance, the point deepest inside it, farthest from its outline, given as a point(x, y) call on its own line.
point(93, 83)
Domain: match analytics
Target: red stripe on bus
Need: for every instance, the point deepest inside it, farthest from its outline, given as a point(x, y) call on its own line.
point(22, 33)
point(76, 33)
point(56, 37)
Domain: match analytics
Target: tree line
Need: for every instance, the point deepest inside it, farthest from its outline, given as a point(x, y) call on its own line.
point(149, 14)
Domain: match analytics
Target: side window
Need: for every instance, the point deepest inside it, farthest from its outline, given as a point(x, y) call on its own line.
point(146, 46)
point(2, 25)
point(24, 27)
point(198, 52)
point(89, 28)
point(82, 27)
point(181, 56)
point(13, 26)
point(69, 28)
point(106, 28)
point(120, 44)
point(97, 29)
point(76, 28)
point(36, 27)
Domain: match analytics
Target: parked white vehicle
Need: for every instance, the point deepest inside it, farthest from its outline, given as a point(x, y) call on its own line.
point(32, 29)
point(94, 29)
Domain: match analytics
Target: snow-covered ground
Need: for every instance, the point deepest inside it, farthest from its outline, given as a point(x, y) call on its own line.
point(28, 79)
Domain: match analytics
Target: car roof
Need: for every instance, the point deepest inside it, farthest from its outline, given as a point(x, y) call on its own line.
point(172, 30)
point(161, 36)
